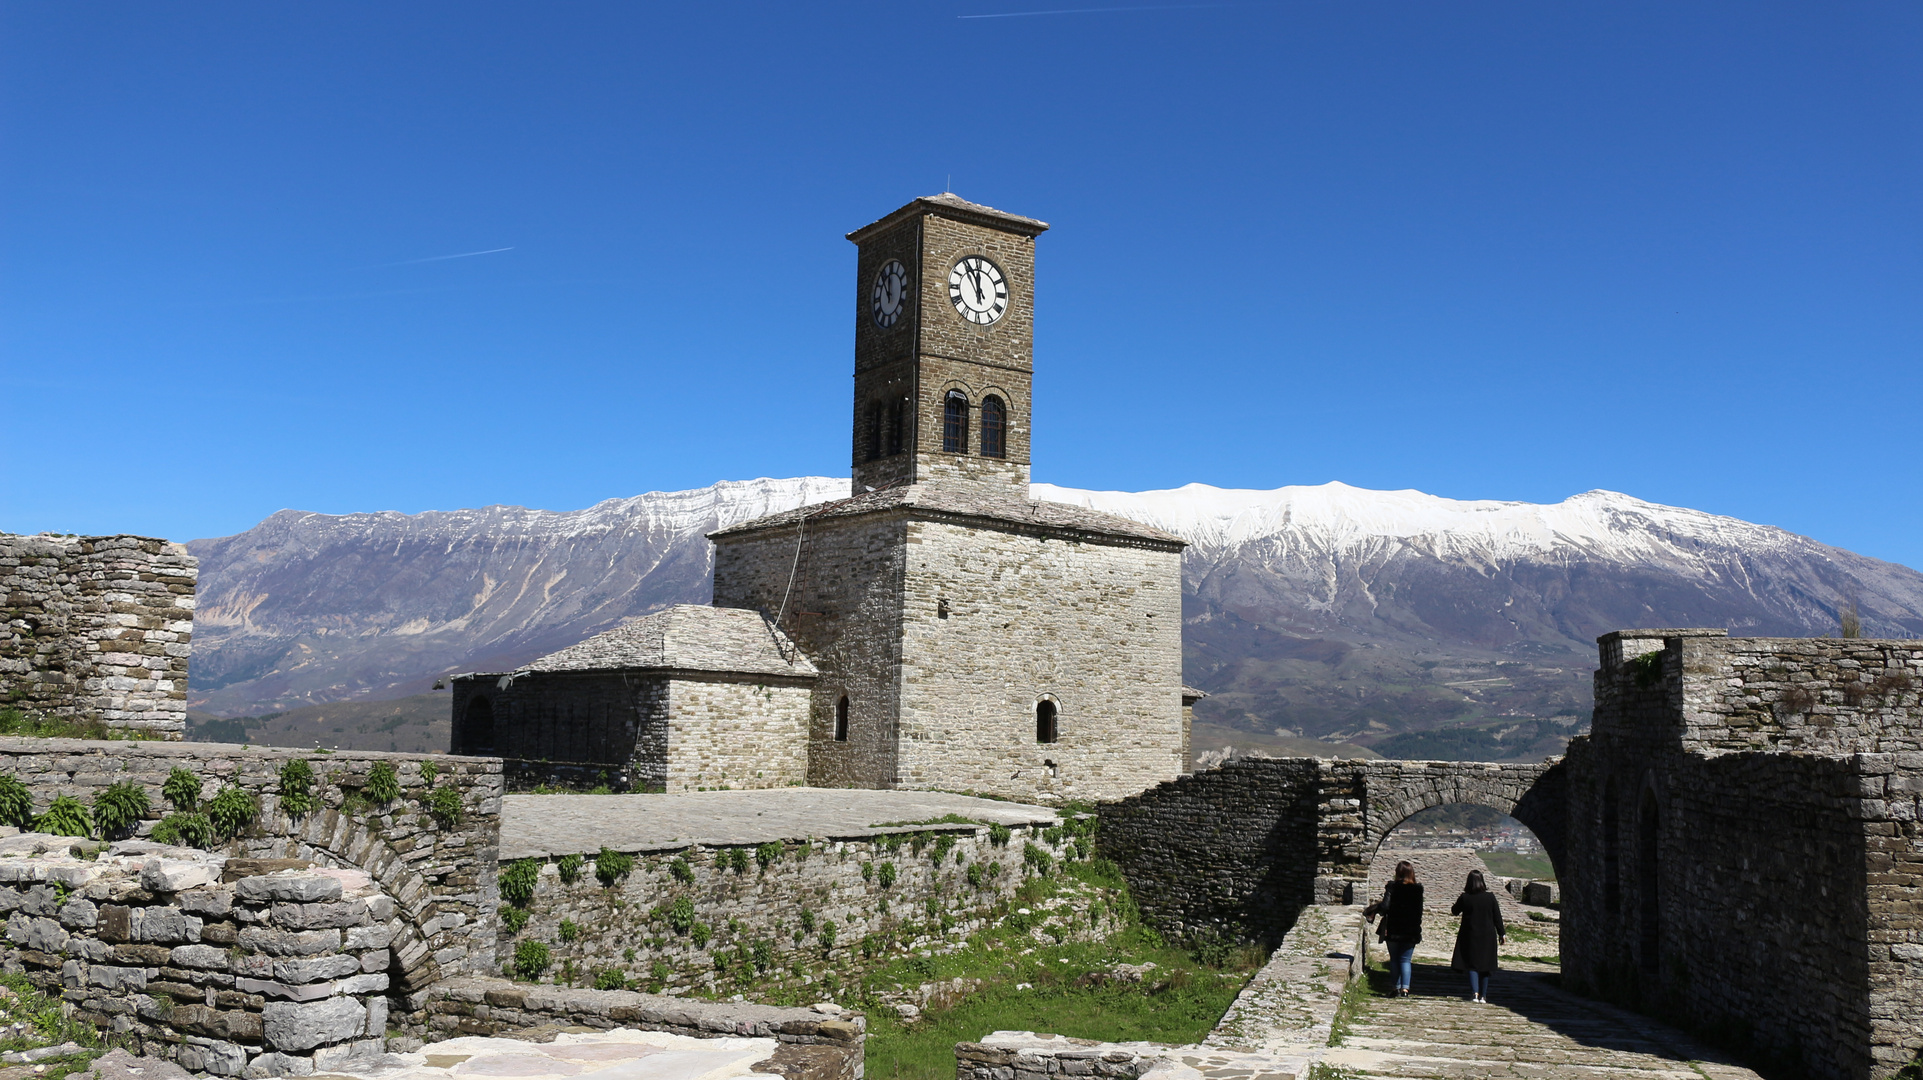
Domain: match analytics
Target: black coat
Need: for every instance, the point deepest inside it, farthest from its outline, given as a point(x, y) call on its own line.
point(1481, 932)
point(1401, 913)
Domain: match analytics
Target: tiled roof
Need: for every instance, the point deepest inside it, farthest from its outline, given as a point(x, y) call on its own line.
point(968, 503)
point(686, 637)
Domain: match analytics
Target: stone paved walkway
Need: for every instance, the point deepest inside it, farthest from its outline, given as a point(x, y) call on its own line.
point(1531, 1029)
point(537, 825)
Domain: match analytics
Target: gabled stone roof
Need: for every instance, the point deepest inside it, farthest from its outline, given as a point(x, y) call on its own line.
point(687, 637)
point(989, 505)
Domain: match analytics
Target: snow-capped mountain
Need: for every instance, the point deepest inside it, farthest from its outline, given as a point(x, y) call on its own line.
point(1328, 611)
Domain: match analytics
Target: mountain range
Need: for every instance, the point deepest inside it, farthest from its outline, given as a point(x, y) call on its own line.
point(1412, 625)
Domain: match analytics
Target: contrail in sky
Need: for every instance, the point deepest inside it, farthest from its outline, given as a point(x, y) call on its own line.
point(442, 258)
point(1095, 10)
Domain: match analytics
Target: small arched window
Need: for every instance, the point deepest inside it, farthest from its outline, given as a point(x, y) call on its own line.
point(841, 719)
point(954, 423)
point(994, 427)
point(877, 416)
point(897, 428)
point(1046, 729)
point(477, 727)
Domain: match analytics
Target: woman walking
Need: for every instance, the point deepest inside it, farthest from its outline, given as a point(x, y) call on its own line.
point(1401, 911)
point(1481, 932)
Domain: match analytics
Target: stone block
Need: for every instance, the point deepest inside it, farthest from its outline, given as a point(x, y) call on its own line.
point(214, 903)
point(315, 969)
point(79, 914)
point(322, 915)
point(164, 924)
point(289, 942)
point(215, 1058)
point(268, 988)
point(117, 978)
point(175, 875)
point(294, 886)
point(140, 955)
point(279, 1064)
point(305, 1025)
point(205, 957)
point(369, 937)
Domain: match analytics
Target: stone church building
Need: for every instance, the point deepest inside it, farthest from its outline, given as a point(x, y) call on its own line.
point(938, 628)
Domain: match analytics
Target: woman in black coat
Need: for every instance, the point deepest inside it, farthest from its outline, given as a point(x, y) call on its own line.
point(1401, 911)
point(1481, 932)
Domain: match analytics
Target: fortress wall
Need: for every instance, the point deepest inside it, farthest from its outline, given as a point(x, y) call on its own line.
point(987, 616)
point(751, 898)
point(97, 628)
point(440, 871)
point(1230, 851)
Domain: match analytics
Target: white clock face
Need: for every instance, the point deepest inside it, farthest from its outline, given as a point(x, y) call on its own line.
point(888, 298)
point(978, 290)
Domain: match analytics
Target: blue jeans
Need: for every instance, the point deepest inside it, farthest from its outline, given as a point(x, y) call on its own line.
point(1479, 982)
point(1401, 962)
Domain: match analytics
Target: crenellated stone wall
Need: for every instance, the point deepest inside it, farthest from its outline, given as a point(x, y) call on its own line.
point(97, 628)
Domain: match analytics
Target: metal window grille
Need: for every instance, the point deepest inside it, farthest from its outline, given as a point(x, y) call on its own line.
point(954, 423)
point(994, 427)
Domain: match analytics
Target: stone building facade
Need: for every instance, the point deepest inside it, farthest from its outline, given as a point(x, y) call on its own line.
point(1751, 854)
point(687, 699)
point(97, 628)
point(956, 633)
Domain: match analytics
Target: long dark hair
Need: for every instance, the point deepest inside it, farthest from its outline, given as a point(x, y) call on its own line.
point(1405, 873)
point(1475, 883)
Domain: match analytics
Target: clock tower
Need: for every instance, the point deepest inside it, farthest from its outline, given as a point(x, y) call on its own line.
point(944, 346)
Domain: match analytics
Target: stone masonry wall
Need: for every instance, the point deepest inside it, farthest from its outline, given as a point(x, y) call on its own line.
point(1225, 852)
point(1746, 808)
point(97, 628)
point(844, 611)
point(230, 967)
point(776, 914)
point(440, 872)
point(986, 616)
point(736, 735)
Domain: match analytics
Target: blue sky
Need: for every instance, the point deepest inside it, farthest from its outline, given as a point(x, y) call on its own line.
point(1485, 250)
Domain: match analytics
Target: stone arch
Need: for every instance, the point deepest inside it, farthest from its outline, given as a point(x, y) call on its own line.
point(328, 837)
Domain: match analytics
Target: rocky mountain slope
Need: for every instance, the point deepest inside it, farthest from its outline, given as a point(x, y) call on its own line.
point(1416, 625)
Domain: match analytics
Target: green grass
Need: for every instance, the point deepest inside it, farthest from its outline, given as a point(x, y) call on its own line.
point(1510, 864)
point(1525, 936)
point(15, 722)
point(945, 819)
point(47, 1027)
point(1180, 1002)
point(1375, 982)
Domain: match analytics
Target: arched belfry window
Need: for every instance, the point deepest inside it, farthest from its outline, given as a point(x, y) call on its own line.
point(897, 428)
point(1047, 728)
point(877, 416)
point(477, 727)
point(841, 719)
point(994, 427)
point(954, 423)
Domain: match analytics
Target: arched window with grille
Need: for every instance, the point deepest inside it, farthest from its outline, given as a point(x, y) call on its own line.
point(994, 427)
point(954, 423)
point(841, 719)
point(1047, 729)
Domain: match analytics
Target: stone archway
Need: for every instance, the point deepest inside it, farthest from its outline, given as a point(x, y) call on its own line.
point(1363, 801)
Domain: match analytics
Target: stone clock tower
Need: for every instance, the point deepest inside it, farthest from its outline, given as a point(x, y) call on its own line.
point(944, 345)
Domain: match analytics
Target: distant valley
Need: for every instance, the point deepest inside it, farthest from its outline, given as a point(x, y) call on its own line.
point(1326, 616)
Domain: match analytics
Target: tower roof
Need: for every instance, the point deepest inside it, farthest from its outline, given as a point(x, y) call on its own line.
point(686, 637)
point(950, 205)
point(980, 505)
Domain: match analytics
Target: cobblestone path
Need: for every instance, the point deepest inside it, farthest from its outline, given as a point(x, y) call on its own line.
point(1530, 1029)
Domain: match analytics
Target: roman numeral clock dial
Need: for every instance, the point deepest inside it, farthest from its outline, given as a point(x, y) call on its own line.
point(978, 290)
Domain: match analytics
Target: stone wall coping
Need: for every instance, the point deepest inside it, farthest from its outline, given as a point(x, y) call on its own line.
point(26, 744)
point(1672, 632)
point(631, 1008)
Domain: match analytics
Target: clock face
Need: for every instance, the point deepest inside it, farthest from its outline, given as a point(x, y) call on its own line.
point(887, 299)
point(978, 290)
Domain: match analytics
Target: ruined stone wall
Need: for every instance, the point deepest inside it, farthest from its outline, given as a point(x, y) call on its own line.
point(997, 621)
point(736, 735)
point(1744, 850)
point(1228, 851)
point(97, 628)
point(844, 611)
point(439, 870)
point(223, 966)
point(776, 915)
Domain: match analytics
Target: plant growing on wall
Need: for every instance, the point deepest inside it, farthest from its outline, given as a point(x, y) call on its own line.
point(610, 979)
point(515, 919)
point(65, 816)
point(735, 859)
point(16, 803)
point(998, 834)
point(518, 881)
point(886, 875)
point(429, 771)
point(531, 959)
point(184, 830)
point(1037, 860)
point(445, 804)
point(827, 935)
point(943, 845)
point(182, 789)
point(768, 854)
point(569, 931)
point(681, 871)
point(232, 809)
point(611, 866)
point(383, 783)
point(570, 869)
point(681, 915)
point(296, 787)
point(1647, 668)
point(119, 808)
point(701, 933)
